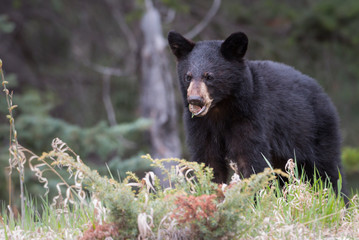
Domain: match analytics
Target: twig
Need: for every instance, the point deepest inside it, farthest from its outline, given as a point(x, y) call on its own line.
point(105, 70)
point(107, 73)
point(107, 100)
point(209, 16)
point(19, 160)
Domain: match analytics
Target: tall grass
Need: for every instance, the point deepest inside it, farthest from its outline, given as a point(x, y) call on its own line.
point(47, 222)
point(16, 160)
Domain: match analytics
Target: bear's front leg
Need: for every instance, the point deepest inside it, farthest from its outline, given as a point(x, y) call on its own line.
point(247, 148)
point(213, 155)
point(207, 146)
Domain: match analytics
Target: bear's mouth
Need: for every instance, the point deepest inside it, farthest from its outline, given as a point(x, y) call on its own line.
point(197, 110)
point(198, 98)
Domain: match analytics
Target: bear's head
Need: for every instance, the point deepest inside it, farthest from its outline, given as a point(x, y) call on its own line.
point(209, 71)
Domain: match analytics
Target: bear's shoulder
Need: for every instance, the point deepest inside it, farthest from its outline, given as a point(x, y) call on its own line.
point(279, 73)
point(268, 66)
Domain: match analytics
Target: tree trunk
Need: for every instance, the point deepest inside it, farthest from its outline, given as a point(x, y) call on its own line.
point(157, 96)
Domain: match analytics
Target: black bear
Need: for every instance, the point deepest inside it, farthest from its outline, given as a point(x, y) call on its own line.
point(244, 111)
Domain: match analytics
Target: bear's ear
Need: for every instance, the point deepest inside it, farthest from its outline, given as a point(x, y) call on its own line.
point(235, 46)
point(180, 46)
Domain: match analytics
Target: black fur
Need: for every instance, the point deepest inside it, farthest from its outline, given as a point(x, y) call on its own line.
point(259, 108)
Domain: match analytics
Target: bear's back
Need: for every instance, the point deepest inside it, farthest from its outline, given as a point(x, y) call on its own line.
point(278, 76)
point(296, 107)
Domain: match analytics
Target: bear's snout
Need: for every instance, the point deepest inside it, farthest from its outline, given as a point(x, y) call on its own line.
point(198, 98)
point(195, 100)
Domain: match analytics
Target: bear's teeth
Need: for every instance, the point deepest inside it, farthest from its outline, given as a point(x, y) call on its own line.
point(201, 111)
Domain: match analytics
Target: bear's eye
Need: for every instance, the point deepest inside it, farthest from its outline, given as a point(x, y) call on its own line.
point(188, 77)
point(208, 76)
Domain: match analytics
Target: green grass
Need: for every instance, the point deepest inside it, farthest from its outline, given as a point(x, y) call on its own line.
point(47, 222)
point(246, 209)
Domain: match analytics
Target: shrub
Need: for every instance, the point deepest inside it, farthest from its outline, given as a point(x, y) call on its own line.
point(350, 158)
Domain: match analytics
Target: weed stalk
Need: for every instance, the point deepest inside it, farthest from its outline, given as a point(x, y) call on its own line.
point(14, 147)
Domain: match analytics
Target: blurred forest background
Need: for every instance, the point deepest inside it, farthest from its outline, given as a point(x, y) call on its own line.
point(99, 75)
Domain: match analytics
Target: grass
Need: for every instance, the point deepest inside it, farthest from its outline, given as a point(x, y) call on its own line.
point(47, 222)
point(193, 207)
point(255, 208)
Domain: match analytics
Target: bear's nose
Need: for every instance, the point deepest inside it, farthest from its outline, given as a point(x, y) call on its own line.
point(195, 100)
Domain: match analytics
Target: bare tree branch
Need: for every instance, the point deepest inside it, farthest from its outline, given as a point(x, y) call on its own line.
point(117, 15)
point(206, 20)
point(106, 97)
point(127, 33)
point(107, 70)
point(170, 16)
point(107, 73)
point(110, 111)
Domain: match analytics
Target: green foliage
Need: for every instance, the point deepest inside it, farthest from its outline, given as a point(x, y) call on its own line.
point(176, 5)
point(350, 158)
point(6, 26)
point(328, 19)
point(99, 144)
point(46, 223)
point(239, 202)
point(117, 197)
point(100, 141)
point(195, 207)
point(189, 177)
